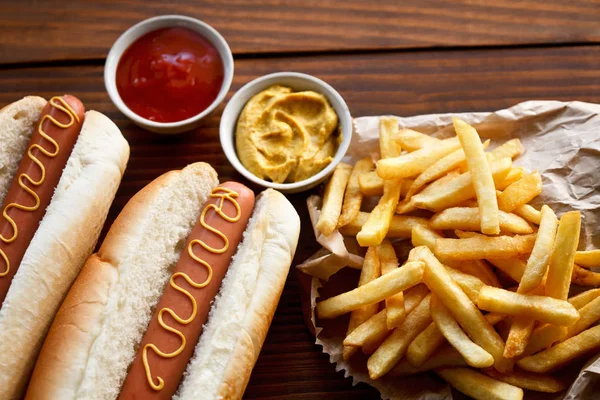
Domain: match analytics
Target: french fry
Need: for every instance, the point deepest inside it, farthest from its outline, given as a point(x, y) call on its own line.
point(394, 347)
point(407, 205)
point(472, 353)
point(380, 332)
point(373, 329)
point(484, 272)
point(513, 175)
point(458, 190)
point(563, 352)
point(477, 269)
point(414, 295)
point(584, 298)
point(470, 284)
point(588, 259)
point(468, 219)
point(394, 304)
point(532, 277)
point(333, 198)
point(537, 264)
point(483, 247)
point(424, 345)
point(439, 169)
point(412, 164)
point(538, 291)
point(520, 192)
point(529, 213)
point(373, 292)
point(544, 336)
point(478, 385)
point(512, 148)
point(446, 356)
point(518, 336)
point(494, 319)
point(442, 181)
point(467, 235)
point(422, 235)
point(540, 308)
point(520, 330)
point(400, 226)
point(513, 267)
point(560, 269)
point(370, 184)
point(483, 181)
point(387, 257)
point(585, 277)
point(354, 197)
point(589, 315)
point(405, 186)
point(376, 228)
point(388, 131)
point(528, 380)
point(404, 207)
point(413, 140)
point(463, 167)
point(436, 277)
point(373, 332)
point(373, 344)
point(370, 271)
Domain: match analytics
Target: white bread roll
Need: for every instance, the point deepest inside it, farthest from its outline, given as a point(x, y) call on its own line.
point(65, 238)
point(17, 123)
point(242, 311)
point(97, 331)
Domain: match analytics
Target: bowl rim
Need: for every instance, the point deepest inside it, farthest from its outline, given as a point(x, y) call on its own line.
point(131, 35)
point(227, 137)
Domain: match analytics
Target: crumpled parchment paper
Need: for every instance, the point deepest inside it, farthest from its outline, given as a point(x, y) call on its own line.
point(561, 140)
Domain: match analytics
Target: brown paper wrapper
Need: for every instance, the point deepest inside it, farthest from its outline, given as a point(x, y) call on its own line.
point(561, 140)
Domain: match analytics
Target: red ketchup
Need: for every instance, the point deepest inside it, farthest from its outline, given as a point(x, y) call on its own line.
point(169, 75)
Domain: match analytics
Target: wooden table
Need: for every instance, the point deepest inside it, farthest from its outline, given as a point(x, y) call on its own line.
point(421, 57)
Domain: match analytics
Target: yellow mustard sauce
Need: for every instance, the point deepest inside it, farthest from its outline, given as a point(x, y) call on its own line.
point(66, 108)
point(222, 193)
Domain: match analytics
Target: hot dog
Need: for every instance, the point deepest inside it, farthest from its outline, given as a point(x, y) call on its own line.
point(204, 261)
point(37, 177)
point(59, 171)
point(190, 270)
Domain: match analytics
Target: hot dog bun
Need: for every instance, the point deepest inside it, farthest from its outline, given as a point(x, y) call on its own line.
point(64, 239)
point(99, 327)
point(163, 354)
point(241, 314)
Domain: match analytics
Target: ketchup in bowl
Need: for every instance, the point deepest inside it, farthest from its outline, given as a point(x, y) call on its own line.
point(169, 75)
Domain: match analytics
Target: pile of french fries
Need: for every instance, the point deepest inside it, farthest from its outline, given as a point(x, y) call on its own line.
point(482, 299)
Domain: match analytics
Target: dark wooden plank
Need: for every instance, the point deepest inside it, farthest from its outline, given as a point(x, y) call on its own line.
point(290, 365)
point(56, 30)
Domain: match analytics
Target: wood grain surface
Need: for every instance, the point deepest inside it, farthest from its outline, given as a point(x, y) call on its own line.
point(402, 83)
point(34, 30)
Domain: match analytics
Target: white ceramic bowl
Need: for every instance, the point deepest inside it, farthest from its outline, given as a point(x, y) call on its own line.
point(152, 24)
point(297, 82)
